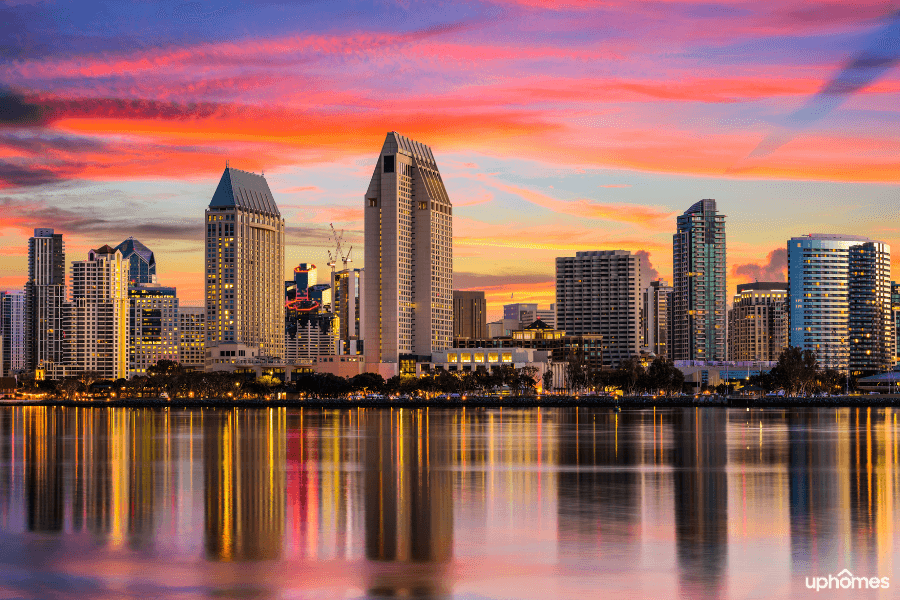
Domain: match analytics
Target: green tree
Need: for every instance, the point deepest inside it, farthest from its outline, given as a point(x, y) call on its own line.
point(796, 370)
point(548, 381)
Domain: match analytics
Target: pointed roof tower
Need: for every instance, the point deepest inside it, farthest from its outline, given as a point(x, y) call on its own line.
point(248, 191)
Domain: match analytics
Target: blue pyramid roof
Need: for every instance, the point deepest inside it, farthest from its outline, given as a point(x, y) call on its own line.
point(248, 191)
point(132, 246)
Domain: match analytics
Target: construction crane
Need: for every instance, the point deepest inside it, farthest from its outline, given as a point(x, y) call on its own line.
point(338, 251)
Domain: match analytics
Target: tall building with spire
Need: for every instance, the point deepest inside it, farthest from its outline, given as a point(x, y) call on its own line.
point(698, 296)
point(244, 269)
point(408, 295)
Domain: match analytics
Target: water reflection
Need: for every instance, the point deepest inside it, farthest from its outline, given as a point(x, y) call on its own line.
point(429, 503)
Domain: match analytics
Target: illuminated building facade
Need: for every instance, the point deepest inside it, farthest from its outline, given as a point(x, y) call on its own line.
point(408, 255)
point(599, 293)
point(12, 332)
point(192, 337)
point(244, 267)
point(758, 321)
point(45, 298)
point(348, 312)
point(98, 328)
point(840, 301)
point(153, 327)
point(699, 284)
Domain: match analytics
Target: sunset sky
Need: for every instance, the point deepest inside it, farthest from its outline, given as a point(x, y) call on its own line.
point(558, 126)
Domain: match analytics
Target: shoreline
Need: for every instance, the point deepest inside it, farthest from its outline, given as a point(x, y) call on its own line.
point(483, 402)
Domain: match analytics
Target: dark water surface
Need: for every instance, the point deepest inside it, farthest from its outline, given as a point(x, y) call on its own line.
point(532, 503)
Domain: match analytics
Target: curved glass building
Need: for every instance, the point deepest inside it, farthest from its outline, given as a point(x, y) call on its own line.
point(840, 301)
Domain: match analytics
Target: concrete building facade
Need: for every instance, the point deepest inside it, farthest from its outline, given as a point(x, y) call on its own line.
point(758, 322)
point(98, 330)
point(699, 318)
point(348, 312)
point(469, 314)
point(599, 293)
point(408, 300)
point(192, 337)
point(655, 317)
point(12, 333)
point(45, 299)
point(244, 267)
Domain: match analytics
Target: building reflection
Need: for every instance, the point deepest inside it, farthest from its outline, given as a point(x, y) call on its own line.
point(701, 500)
point(323, 483)
point(43, 468)
point(599, 485)
point(408, 501)
point(244, 477)
point(819, 490)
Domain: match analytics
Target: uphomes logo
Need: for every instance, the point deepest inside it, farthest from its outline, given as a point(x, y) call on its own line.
point(845, 580)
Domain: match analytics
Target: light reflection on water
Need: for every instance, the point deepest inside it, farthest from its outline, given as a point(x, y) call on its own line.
point(534, 503)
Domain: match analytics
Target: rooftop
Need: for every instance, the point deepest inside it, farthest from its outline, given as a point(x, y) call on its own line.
point(244, 190)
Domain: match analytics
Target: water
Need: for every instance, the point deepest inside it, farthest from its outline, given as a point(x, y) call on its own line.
point(475, 504)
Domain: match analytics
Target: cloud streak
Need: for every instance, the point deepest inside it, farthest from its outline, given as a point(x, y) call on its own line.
point(881, 54)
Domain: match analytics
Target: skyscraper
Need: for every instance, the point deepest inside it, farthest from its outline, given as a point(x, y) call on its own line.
point(347, 306)
point(153, 327)
point(757, 323)
point(408, 298)
point(140, 259)
point(840, 301)
point(657, 300)
point(45, 297)
point(244, 268)
point(12, 332)
point(469, 314)
point(699, 274)
point(599, 293)
point(99, 318)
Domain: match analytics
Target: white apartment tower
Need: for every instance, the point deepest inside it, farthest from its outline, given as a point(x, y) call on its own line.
point(45, 298)
point(408, 295)
point(244, 268)
point(97, 336)
point(599, 293)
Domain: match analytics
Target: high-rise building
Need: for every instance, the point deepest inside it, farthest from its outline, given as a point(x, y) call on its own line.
point(153, 327)
point(895, 310)
point(305, 276)
point(12, 332)
point(98, 329)
point(192, 337)
point(758, 321)
point(698, 294)
point(45, 298)
point(657, 298)
point(871, 323)
point(244, 268)
point(346, 287)
point(140, 259)
point(599, 293)
point(408, 299)
point(840, 301)
point(469, 314)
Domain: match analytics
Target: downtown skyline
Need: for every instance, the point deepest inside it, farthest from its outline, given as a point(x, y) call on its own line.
point(550, 143)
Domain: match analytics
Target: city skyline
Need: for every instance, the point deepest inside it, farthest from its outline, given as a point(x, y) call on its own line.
point(553, 144)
